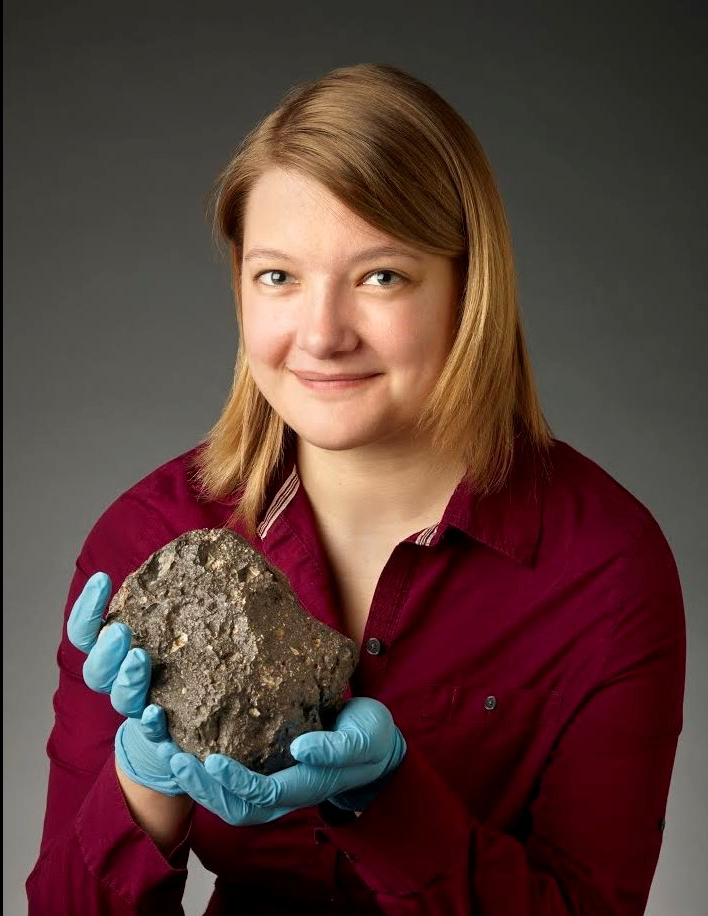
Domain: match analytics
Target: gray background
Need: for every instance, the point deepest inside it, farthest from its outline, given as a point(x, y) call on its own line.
point(120, 336)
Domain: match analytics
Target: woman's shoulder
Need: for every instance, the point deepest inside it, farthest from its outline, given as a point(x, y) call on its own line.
point(155, 509)
point(585, 500)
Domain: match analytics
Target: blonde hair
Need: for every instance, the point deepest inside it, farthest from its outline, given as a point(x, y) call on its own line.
point(400, 157)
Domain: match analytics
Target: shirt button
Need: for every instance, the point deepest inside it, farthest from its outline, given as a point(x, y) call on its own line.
point(374, 646)
point(490, 702)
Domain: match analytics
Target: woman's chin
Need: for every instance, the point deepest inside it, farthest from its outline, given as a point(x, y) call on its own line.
point(336, 440)
point(335, 443)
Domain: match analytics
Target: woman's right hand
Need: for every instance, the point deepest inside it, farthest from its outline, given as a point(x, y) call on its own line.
point(113, 667)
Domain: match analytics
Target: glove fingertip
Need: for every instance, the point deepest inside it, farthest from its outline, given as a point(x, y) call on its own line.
point(129, 691)
point(304, 744)
point(138, 657)
point(98, 580)
point(83, 626)
point(165, 751)
point(215, 763)
point(153, 721)
point(76, 630)
point(181, 763)
point(318, 747)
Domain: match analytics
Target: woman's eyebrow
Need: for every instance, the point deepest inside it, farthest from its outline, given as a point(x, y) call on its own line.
point(380, 251)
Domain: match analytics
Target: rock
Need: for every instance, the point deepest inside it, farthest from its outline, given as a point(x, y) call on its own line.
point(239, 666)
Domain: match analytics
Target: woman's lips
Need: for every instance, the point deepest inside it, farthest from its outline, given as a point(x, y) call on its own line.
point(336, 385)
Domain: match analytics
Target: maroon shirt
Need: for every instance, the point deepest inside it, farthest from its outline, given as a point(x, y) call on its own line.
point(531, 648)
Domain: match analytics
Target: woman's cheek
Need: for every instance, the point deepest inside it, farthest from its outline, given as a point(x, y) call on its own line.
point(264, 340)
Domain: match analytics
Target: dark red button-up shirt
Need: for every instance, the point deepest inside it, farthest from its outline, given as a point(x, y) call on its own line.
point(531, 648)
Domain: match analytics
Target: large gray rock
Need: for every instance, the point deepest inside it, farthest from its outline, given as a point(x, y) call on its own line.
point(238, 665)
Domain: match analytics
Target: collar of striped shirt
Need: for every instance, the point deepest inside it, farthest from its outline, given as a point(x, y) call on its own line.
point(508, 520)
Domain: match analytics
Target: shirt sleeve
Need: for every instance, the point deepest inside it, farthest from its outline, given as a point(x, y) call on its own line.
point(598, 815)
point(93, 858)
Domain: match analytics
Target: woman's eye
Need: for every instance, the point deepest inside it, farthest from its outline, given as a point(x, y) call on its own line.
point(386, 273)
point(281, 273)
point(278, 278)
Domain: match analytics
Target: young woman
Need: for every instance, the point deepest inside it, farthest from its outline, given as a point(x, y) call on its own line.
point(509, 734)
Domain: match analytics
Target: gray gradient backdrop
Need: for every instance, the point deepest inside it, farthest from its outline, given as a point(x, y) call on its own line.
point(120, 335)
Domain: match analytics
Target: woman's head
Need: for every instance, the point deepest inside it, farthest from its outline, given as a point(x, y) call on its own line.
point(368, 155)
point(324, 305)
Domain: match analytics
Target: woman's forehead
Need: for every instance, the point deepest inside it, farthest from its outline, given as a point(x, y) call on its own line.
point(293, 217)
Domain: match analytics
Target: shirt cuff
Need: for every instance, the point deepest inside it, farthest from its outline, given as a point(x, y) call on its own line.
point(408, 835)
point(179, 855)
point(335, 816)
point(122, 855)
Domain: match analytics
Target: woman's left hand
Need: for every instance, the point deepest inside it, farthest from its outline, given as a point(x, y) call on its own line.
point(347, 765)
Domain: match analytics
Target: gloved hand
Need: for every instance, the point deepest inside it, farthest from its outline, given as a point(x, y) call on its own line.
point(348, 765)
point(113, 667)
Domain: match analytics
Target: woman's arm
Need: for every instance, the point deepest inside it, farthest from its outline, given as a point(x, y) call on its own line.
point(95, 855)
point(163, 817)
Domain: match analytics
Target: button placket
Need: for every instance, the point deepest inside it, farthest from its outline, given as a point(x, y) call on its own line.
point(389, 597)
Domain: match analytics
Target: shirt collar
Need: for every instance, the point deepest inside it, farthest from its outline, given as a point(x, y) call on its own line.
point(508, 521)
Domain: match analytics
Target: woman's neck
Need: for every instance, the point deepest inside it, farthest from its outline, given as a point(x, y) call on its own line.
point(377, 490)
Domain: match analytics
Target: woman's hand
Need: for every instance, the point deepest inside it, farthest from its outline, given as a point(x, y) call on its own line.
point(348, 765)
point(113, 667)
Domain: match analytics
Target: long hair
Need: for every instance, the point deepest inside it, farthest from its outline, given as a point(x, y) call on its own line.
point(399, 156)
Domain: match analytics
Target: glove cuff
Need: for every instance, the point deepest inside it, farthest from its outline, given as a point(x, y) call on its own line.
point(358, 799)
point(163, 784)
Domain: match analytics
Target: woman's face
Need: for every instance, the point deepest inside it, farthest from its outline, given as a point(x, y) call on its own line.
point(325, 304)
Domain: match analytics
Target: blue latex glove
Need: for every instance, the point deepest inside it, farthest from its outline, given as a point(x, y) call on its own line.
point(348, 765)
point(113, 667)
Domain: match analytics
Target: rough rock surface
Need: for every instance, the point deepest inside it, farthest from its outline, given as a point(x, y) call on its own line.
point(238, 665)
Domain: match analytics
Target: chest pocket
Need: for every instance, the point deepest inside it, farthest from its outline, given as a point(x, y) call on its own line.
point(489, 707)
point(490, 742)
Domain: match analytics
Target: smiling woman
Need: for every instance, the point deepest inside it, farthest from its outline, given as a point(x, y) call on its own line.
point(508, 737)
point(372, 202)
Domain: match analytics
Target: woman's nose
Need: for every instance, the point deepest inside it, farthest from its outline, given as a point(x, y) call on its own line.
point(325, 325)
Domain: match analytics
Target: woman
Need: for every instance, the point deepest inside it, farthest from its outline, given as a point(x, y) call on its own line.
point(510, 731)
